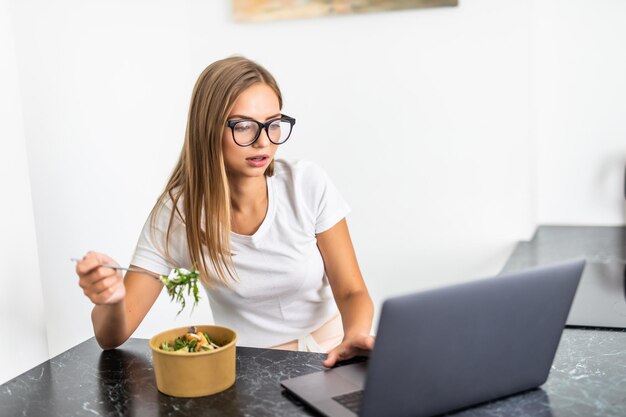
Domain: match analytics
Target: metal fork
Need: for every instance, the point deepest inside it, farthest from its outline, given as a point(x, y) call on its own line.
point(139, 271)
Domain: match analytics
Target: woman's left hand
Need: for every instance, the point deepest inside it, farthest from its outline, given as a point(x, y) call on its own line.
point(356, 345)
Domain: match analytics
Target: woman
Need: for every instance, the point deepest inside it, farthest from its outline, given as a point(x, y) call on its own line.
point(269, 237)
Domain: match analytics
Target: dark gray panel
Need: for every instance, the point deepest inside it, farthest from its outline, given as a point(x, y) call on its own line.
point(601, 297)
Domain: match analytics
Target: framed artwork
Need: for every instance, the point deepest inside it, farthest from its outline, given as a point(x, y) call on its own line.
point(259, 10)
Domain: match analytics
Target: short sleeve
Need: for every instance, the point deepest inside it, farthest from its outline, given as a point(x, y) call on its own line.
point(150, 250)
point(328, 206)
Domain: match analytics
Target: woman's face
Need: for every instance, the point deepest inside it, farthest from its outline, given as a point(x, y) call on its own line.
point(258, 102)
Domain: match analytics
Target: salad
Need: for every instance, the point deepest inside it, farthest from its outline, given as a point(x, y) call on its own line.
point(191, 342)
point(179, 282)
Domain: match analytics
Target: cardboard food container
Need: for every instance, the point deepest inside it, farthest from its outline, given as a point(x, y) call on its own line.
point(195, 374)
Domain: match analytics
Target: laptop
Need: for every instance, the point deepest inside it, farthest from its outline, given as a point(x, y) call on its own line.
point(450, 348)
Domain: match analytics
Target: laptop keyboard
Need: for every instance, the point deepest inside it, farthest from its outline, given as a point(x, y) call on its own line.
point(351, 400)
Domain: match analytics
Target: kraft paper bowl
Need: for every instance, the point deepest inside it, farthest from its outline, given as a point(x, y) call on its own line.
point(195, 374)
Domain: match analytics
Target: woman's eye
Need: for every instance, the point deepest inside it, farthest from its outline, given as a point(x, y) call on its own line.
point(243, 127)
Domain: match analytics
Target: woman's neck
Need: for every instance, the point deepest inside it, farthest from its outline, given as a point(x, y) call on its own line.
point(248, 194)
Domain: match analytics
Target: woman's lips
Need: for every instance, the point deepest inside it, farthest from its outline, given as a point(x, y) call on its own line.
point(258, 160)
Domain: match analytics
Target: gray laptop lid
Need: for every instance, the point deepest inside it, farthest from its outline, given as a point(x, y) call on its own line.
point(450, 348)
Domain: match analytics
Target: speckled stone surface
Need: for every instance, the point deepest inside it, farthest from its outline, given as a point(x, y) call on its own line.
point(588, 378)
point(86, 381)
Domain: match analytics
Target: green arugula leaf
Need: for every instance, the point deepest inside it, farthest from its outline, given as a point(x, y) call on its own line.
point(179, 343)
point(179, 282)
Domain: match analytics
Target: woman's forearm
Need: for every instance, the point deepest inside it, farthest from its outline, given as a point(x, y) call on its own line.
point(357, 312)
point(110, 324)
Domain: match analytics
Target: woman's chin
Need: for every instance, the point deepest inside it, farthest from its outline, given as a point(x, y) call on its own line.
point(247, 172)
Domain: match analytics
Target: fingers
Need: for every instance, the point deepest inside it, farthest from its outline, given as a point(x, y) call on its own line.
point(87, 264)
point(100, 284)
point(90, 267)
point(97, 275)
point(340, 353)
point(91, 261)
point(100, 297)
point(355, 346)
point(103, 284)
point(331, 359)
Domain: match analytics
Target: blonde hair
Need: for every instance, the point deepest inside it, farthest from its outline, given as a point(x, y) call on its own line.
point(199, 177)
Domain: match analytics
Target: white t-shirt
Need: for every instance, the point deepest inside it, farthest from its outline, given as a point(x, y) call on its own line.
point(283, 292)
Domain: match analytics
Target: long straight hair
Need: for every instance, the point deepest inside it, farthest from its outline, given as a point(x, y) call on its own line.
point(199, 177)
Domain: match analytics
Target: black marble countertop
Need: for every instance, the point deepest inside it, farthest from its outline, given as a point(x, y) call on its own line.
point(587, 379)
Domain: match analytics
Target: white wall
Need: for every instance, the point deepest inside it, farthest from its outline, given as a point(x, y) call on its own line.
point(435, 123)
point(422, 119)
point(22, 319)
point(579, 67)
point(422, 122)
point(105, 86)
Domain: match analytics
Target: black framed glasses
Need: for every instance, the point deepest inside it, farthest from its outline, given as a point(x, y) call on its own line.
point(247, 131)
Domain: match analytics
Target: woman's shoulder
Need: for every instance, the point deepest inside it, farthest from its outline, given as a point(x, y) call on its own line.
point(306, 185)
point(166, 204)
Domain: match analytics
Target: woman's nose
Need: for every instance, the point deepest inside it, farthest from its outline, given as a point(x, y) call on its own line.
point(263, 140)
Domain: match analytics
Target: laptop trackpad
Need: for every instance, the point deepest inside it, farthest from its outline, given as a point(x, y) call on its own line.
point(329, 383)
point(354, 373)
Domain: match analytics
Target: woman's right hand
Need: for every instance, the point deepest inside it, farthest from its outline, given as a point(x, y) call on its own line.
point(100, 284)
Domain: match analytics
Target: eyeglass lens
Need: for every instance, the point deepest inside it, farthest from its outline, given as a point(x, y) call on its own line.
point(246, 131)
